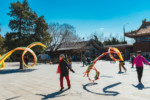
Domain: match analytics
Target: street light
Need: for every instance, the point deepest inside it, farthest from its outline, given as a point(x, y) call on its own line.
point(124, 30)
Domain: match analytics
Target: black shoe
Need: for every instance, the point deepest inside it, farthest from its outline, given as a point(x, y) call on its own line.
point(61, 89)
point(69, 87)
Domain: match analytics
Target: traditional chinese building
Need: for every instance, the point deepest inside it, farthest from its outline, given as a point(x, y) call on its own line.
point(142, 38)
point(76, 49)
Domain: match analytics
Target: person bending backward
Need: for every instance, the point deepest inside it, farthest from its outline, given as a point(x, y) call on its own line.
point(139, 65)
point(121, 64)
point(63, 70)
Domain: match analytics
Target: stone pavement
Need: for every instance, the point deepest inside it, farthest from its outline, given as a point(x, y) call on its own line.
point(42, 83)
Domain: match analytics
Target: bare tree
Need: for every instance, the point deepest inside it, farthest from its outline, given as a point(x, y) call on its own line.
point(61, 34)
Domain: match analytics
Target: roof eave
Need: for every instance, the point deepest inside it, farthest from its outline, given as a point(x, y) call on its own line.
point(136, 35)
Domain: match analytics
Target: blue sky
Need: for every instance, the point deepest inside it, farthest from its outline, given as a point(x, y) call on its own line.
point(87, 16)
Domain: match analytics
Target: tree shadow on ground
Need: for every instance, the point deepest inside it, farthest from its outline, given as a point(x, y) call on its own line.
point(13, 98)
point(105, 89)
point(11, 71)
point(140, 86)
point(53, 95)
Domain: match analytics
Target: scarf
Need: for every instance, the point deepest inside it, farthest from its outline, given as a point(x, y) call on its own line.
point(58, 69)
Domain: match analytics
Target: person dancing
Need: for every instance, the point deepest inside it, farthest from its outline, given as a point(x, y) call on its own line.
point(63, 70)
point(139, 65)
point(121, 65)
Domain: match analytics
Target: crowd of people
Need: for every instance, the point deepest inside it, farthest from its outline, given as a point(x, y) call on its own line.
point(65, 64)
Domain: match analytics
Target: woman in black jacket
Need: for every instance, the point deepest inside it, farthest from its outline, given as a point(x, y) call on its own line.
point(63, 70)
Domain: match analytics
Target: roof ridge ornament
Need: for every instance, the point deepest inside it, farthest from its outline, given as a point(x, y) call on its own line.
point(144, 21)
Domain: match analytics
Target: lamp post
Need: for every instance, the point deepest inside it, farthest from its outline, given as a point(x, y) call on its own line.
point(124, 30)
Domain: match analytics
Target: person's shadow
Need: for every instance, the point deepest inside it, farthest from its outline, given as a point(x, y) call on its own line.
point(105, 89)
point(120, 72)
point(140, 86)
point(53, 95)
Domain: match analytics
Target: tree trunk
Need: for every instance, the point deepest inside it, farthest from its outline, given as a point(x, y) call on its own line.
point(21, 64)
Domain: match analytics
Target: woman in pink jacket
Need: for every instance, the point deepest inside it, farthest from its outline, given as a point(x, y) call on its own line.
point(139, 64)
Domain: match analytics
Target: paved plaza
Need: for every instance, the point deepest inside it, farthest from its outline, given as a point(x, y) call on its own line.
point(42, 83)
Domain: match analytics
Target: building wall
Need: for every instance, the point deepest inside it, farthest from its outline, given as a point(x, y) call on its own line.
point(92, 51)
point(143, 46)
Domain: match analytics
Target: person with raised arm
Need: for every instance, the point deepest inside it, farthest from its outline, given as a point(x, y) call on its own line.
point(63, 70)
point(138, 61)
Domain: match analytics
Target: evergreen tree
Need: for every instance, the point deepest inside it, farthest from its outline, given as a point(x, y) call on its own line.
point(26, 27)
point(2, 50)
point(98, 41)
point(41, 34)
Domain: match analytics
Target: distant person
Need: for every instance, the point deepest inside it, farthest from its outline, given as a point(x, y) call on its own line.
point(121, 64)
point(132, 59)
point(26, 60)
point(63, 70)
point(49, 58)
point(73, 57)
point(139, 65)
point(84, 60)
point(88, 60)
point(69, 62)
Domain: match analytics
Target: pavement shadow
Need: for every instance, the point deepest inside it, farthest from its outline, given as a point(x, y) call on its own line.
point(140, 86)
point(113, 93)
point(120, 72)
point(13, 98)
point(11, 71)
point(105, 89)
point(53, 95)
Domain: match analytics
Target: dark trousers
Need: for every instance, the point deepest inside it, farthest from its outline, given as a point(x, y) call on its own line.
point(139, 73)
point(84, 63)
point(61, 81)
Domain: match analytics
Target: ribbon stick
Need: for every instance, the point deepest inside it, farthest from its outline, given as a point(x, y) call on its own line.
point(110, 52)
point(25, 49)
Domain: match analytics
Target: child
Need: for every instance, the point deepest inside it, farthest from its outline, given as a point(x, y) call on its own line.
point(64, 72)
point(139, 65)
point(69, 62)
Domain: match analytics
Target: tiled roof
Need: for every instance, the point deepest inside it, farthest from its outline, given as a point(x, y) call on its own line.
point(72, 45)
point(76, 45)
point(144, 30)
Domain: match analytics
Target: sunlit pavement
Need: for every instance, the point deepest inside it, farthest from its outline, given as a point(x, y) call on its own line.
point(42, 82)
